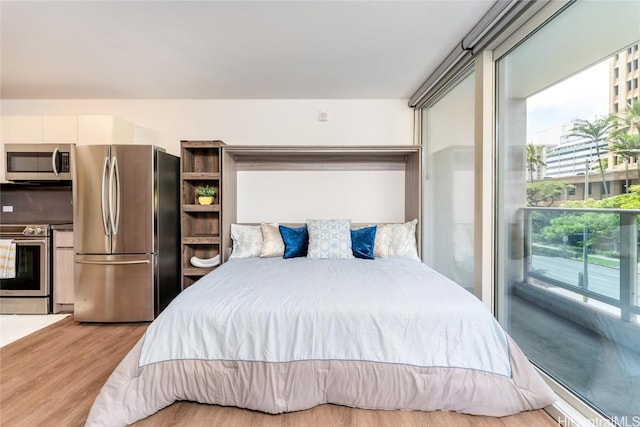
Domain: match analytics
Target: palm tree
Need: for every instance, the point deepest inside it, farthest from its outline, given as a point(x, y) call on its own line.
point(625, 137)
point(630, 120)
point(626, 146)
point(594, 131)
point(534, 159)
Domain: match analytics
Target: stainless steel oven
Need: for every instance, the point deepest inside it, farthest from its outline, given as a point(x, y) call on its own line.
point(38, 162)
point(29, 292)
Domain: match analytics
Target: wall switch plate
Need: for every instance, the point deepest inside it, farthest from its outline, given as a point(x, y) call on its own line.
point(7, 208)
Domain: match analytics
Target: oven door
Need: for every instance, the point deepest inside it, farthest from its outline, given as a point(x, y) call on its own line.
point(32, 270)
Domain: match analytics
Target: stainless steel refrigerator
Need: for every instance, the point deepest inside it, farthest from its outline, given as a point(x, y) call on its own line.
point(126, 226)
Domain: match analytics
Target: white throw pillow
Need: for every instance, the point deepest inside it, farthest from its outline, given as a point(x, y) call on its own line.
point(402, 240)
point(329, 239)
point(272, 243)
point(247, 241)
point(381, 245)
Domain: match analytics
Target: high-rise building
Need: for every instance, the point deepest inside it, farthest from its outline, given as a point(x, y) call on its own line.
point(625, 76)
point(624, 91)
point(573, 156)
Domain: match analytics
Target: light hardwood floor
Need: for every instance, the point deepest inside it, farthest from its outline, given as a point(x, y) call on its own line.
point(51, 377)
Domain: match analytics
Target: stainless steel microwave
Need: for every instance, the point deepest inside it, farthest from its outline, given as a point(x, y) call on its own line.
point(38, 162)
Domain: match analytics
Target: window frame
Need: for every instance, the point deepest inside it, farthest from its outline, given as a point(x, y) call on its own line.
point(570, 408)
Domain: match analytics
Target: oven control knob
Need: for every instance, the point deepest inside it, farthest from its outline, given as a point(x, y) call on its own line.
point(29, 230)
point(39, 230)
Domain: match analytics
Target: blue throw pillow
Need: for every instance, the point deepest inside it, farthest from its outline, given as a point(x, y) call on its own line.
point(296, 241)
point(362, 242)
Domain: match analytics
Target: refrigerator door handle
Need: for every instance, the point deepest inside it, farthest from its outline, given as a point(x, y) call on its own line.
point(103, 199)
point(114, 181)
point(55, 159)
point(140, 261)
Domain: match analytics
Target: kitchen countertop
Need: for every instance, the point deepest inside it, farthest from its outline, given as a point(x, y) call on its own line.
point(62, 227)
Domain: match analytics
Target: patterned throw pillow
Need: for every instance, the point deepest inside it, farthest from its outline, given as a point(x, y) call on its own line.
point(272, 243)
point(329, 239)
point(247, 241)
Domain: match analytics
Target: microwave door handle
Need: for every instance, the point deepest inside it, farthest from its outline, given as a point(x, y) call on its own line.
point(55, 160)
point(104, 199)
point(114, 182)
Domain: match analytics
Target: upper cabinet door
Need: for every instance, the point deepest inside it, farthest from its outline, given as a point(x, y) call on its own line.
point(132, 194)
point(103, 129)
point(60, 129)
point(68, 129)
point(21, 129)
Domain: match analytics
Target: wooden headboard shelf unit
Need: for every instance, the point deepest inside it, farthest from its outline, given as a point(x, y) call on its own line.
point(407, 158)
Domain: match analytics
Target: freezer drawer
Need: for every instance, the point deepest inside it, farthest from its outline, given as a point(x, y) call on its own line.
point(114, 288)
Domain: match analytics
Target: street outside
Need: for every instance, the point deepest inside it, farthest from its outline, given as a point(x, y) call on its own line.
point(602, 280)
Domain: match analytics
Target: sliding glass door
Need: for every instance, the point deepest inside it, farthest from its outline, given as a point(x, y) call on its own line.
point(567, 210)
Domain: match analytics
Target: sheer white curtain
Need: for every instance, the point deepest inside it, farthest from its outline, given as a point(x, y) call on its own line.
point(448, 140)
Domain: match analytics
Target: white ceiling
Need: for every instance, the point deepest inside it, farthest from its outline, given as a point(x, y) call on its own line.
point(226, 49)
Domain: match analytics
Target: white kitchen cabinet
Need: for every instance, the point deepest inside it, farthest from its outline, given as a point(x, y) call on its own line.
point(60, 129)
point(68, 129)
point(104, 129)
point(22, 129)
point(39, 129)
point(63, 293)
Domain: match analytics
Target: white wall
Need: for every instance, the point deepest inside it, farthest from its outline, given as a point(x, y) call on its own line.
point(362, 196)
point(288, 122)
point(266, 195)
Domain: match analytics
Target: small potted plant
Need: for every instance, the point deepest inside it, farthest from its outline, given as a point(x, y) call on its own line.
point(206, 194)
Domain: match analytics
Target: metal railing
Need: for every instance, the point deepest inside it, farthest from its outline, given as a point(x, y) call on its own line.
point(554, 258)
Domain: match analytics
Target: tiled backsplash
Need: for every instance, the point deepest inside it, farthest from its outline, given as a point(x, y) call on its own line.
point(32, 204)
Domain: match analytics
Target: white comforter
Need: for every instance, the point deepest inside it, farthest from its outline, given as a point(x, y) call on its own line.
point(279, 335)
point(391, 310)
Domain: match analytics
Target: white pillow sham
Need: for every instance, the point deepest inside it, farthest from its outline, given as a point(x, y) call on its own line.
point(272, 243)
point(381, 245)
point(247, 241)
point(397, 240)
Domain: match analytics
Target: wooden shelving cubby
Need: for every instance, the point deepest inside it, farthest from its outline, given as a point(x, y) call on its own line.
point(201, 224)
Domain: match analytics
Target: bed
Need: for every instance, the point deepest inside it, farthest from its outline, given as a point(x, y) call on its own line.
point(279, 335)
